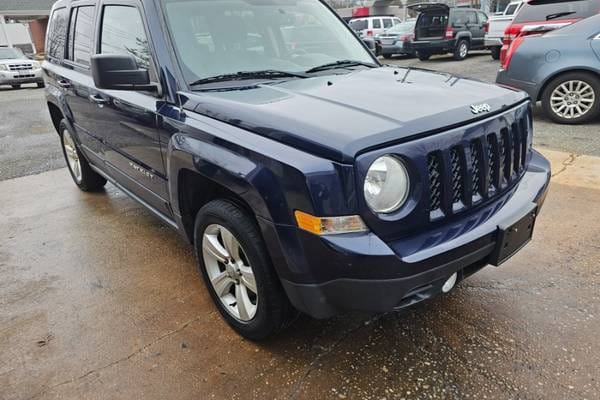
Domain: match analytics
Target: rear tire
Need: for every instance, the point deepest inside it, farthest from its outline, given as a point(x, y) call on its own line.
point(462, 50)
point(496, 52)
point(231, 253)
point(16, 86)
point(423, 56)
point(572, 98)
point(83, 175)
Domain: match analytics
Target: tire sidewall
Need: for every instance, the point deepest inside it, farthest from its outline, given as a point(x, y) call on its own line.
point(62, 128)
point(590, 79)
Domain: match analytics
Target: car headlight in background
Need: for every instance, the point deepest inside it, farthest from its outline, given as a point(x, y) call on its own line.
point(3, 67)
point(36, 65)
point(386, 185)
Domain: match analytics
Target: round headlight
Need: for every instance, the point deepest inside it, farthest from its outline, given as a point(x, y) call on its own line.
point(386, 185)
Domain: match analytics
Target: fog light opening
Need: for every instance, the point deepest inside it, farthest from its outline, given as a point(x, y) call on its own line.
point(449, 284)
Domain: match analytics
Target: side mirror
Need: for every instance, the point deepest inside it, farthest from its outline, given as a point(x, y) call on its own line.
point(119, 72)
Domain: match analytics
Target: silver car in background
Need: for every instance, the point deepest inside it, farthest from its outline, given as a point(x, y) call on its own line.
point(16, 69)
point(561, 69)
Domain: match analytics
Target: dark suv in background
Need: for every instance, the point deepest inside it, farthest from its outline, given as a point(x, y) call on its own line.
point(306, 175)
point(441, 29)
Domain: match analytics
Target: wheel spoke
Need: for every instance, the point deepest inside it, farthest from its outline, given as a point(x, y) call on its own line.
point(211, 245)
point(222, 283)
point(248, 278)
point(244, 305)
point(231, 244)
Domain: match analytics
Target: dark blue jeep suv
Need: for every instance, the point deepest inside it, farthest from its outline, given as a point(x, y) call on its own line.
point(307, 176)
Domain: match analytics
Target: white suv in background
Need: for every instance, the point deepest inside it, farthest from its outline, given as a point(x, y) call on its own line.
point(16, 69)
point(373, 26)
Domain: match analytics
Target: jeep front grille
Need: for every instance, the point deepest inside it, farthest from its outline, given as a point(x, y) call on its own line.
point(480, 169)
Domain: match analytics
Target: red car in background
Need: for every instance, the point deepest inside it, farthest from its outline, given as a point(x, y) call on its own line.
point(539, 16)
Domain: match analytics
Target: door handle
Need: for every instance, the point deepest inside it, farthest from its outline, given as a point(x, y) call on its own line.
point(94, 98)
point(63, 83)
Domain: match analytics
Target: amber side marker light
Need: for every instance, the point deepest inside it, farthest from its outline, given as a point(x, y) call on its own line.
point(329, 225)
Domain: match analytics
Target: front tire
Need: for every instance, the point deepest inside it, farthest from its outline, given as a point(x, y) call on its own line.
point(16, 86)
point(237, 269)
point(462, 50)
point(83, 175)
point(572, 98)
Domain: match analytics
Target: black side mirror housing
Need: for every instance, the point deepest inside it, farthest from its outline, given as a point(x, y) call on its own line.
point(120, 72)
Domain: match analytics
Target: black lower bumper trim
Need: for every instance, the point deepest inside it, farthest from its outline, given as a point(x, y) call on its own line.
point(327, 299)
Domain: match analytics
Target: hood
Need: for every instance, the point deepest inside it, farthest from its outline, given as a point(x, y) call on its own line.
point(340, 116)
point(16, 61)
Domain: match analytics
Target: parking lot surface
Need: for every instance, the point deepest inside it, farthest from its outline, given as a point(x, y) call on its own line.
point(100, 300)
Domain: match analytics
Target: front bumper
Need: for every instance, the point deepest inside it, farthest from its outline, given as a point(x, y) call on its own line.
point(361, 272)
point(21, 77)
point(504, 78)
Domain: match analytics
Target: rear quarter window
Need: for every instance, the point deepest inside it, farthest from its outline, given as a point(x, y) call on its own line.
point(547, 11)
point(57, 34)
point(359, 24)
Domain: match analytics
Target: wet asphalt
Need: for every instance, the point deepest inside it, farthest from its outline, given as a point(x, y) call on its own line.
point(100, 300)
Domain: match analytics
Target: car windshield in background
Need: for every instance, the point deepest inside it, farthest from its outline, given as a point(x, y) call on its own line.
point(404, 27)
point(216, 37)
point(546, 10)
point(10, 54)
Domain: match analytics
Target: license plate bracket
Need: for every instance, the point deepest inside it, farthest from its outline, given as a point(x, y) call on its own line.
point(513, 236)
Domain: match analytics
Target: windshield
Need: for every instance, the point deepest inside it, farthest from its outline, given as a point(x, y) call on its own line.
point(218, 37)
point(404, 27)
point(542, 10)
point(10, 54)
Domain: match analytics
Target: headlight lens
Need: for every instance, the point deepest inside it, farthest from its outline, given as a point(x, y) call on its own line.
point(3, 67)
point(386, 185)
point(36, 65)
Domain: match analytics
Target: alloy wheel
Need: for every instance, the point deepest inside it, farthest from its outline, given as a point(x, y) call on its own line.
point(463, 50)
point(72, 156)
point(229, 272)
point(572, 99)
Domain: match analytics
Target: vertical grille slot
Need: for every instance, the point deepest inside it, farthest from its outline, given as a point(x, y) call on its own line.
point(476, 162)
point(493, 162)
point(516, 147)
point(524, 137)
point(435, 182)
point(504, 150)
point(457, 176)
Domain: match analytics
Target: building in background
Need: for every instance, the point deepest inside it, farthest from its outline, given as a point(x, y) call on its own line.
point(18, 17)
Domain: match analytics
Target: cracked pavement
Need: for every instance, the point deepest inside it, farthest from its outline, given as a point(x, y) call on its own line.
point(100, 300)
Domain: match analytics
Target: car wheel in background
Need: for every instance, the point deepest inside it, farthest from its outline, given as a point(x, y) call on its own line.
point(16, 86)
point(496, 52)
point(237, 269)
point(41, 84)
point(83, 175)
point(572, 98)
point(462, 50)
point(387, 56)
point(423, 56)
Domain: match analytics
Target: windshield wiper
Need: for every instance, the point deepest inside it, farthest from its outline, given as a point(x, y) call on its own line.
point(242, 75)
point(340, 64)
point(558, 15)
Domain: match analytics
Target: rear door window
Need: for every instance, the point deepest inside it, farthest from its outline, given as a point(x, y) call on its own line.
point(548, 10)
point(511, 9)
point(387, 23)
point(122, 32)
point(460, 18)
point(377, 23)
point(471, 18)
point(57, 34)
point(81, 33)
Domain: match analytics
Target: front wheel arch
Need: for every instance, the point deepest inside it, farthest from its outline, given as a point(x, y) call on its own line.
point(557, 74)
